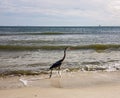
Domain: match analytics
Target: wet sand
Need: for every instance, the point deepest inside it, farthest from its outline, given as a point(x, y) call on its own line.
point(69, 85)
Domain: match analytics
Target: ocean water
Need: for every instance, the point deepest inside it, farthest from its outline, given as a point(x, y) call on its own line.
point(33, 49)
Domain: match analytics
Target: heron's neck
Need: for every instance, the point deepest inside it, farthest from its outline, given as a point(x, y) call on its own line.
point(64, 55)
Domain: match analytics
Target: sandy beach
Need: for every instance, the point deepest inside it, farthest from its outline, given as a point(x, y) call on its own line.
point(69, 85)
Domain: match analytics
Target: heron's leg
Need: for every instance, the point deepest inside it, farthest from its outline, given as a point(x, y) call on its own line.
point(59, 70)
point(50, 73)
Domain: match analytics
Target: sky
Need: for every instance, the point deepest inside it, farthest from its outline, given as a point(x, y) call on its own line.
point(59, 12)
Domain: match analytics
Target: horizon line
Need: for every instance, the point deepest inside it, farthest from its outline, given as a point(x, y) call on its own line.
point(59, 26)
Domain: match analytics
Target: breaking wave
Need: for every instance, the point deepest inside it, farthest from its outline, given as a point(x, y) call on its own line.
point(52, 47)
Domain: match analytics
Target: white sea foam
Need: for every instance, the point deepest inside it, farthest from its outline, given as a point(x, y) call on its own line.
point(25, 82)
point(29, 80)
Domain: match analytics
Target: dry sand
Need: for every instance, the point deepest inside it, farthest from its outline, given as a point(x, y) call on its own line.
point(69, 85)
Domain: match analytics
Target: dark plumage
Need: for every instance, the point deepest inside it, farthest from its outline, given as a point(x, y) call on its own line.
point(58, 63)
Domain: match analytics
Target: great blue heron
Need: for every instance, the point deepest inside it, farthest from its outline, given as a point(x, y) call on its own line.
point(58, 63)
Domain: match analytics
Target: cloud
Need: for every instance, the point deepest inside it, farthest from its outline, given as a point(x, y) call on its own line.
point(99, 10)
point(44, 5)
point(114, 6)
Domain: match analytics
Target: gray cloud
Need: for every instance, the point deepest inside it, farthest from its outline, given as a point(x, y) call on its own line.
point(101, 10)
